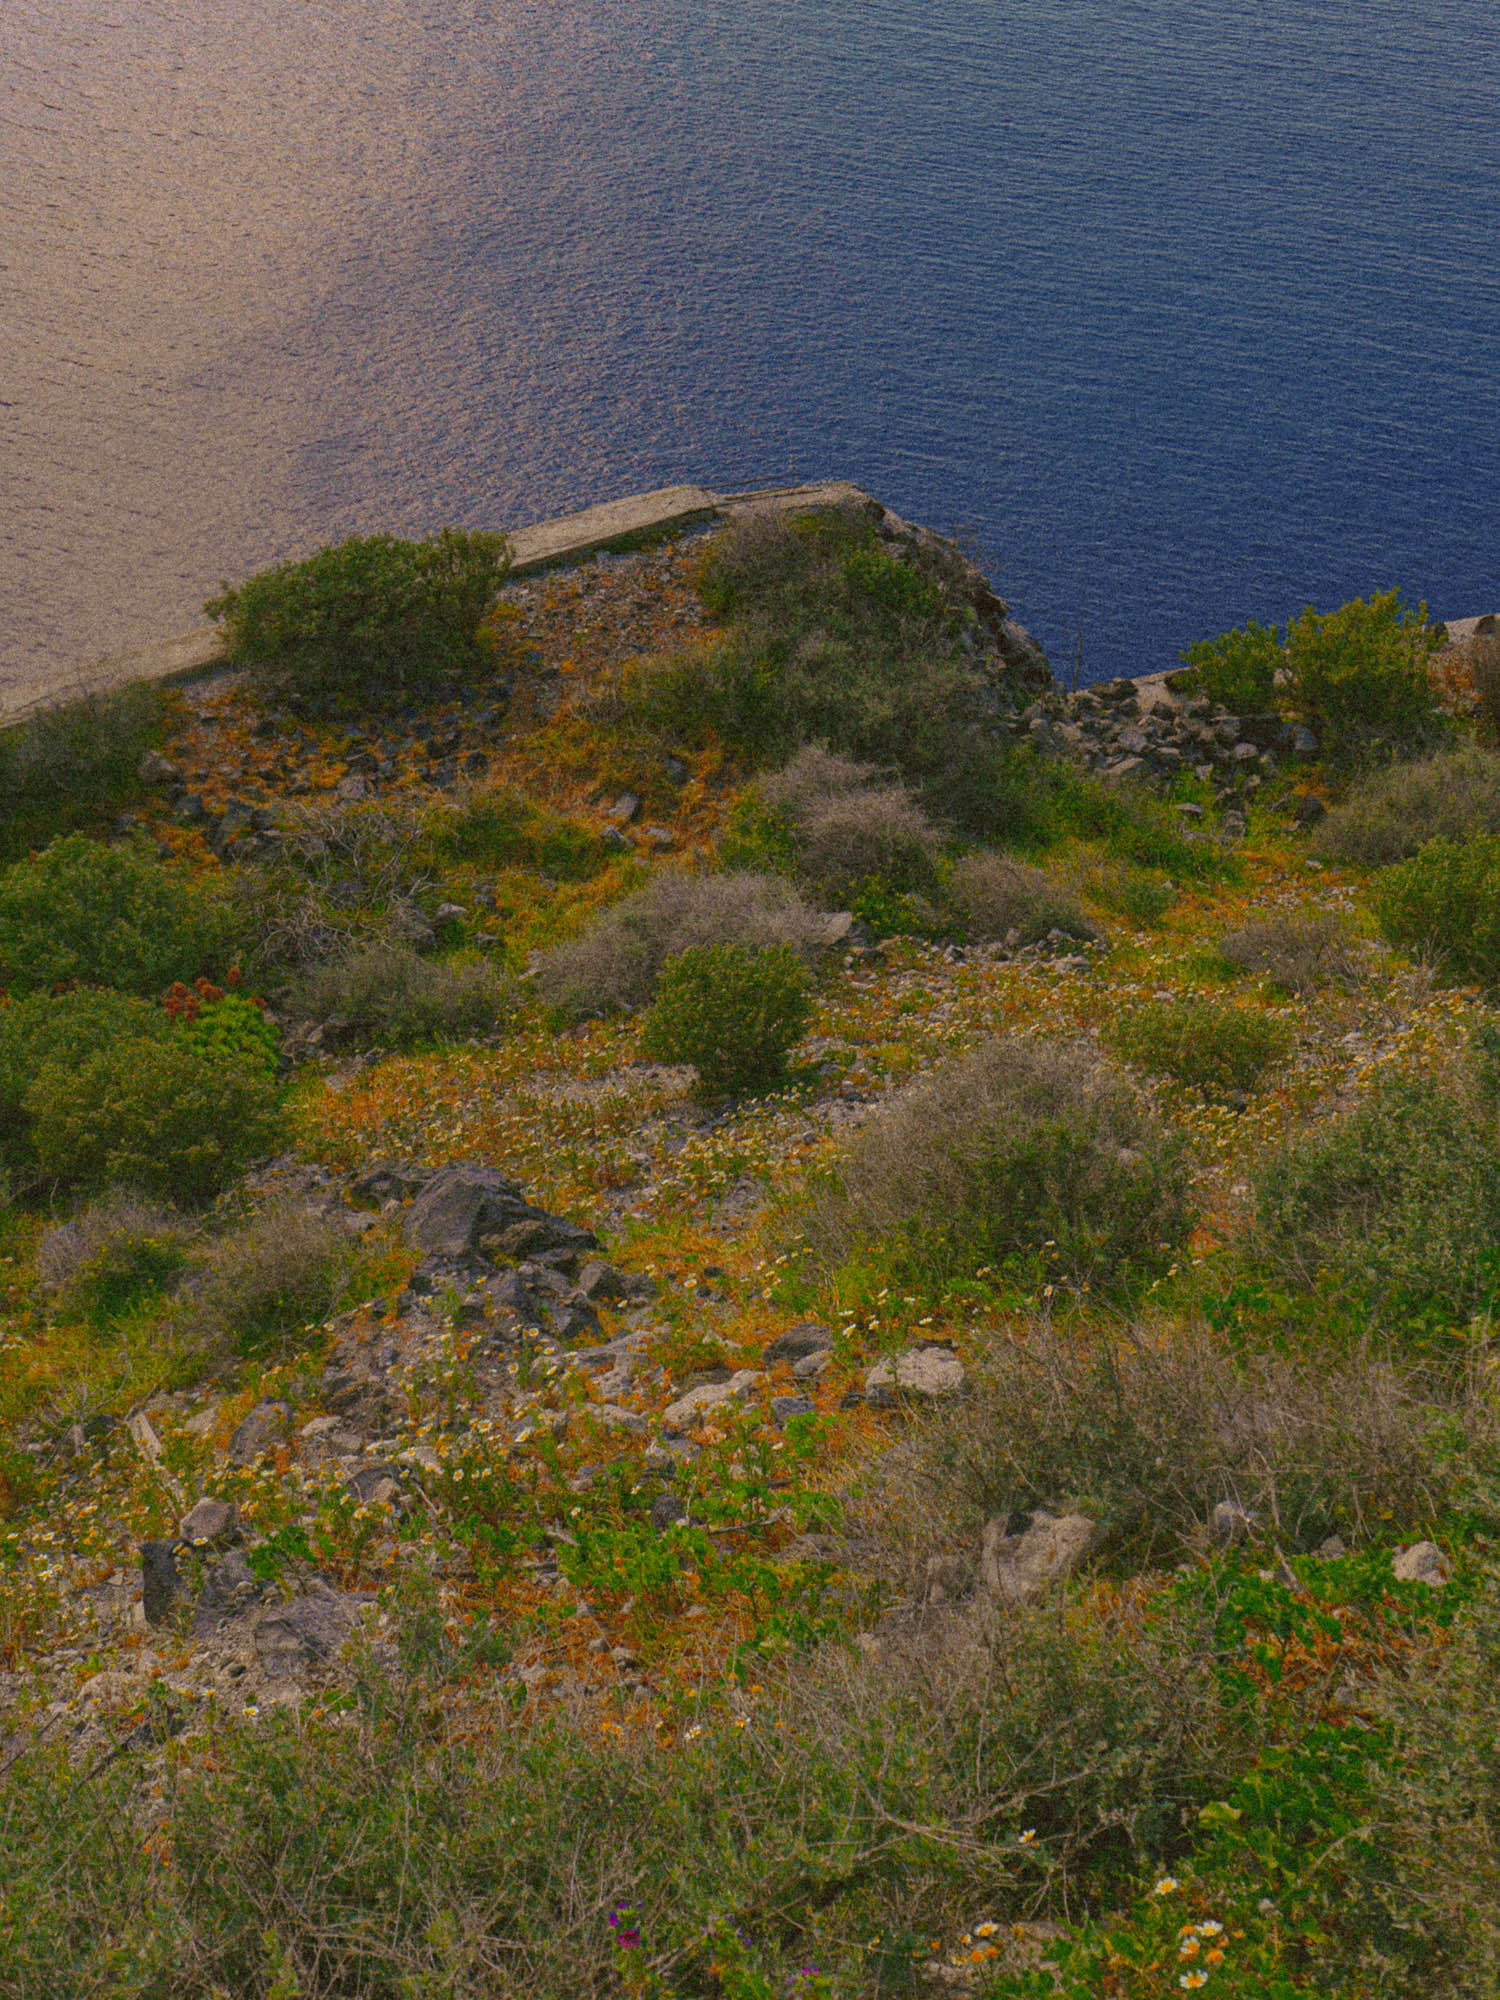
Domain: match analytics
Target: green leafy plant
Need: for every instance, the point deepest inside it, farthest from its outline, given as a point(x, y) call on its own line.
point(733, 1013)
point(1360, 676)
point(1238, 669)
point(1444, 903)
point(371, 618)
point(1396, 1205)
point(77, 763)
point(1202, 1043)
point(108, 916)
point(65, 1030)
point(161, 1116)
point(225, 1026)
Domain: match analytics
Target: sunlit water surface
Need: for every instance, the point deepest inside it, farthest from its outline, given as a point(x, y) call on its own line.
point(1181, 311)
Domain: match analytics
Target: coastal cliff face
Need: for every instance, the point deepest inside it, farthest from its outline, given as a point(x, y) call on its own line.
point(753, 1307)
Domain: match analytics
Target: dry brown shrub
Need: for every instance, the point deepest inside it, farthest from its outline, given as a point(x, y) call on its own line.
point(1296, 954)
point(273, 1277)
point(386, 994)
point(1147, 1428)
point(850, 827)
point(1021, 1149)
point(615, 963)
point(1001, 901)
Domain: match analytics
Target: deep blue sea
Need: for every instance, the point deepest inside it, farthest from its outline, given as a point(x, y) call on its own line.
point(1178, 311)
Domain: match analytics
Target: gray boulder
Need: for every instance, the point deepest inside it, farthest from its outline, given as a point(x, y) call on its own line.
point(1423, 1562)
point(1014, 1568)
point(916, 1374)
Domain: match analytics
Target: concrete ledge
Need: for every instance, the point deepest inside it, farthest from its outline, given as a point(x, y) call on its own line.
point(543, 545)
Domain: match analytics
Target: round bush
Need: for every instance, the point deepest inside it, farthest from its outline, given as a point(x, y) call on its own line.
point(65, 1030)
point(733, 1014)
point(1197, 1042)
point(106, 916)
point(372, 617)
point(1021, 1150)
point(1445, 904)
point(161, 1116)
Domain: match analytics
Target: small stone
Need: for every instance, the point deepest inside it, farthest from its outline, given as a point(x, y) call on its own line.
point(1307, 809)
point(351, 789)
point(1230, 1523)
point(923, 1374)
point(617, 1419)
point(159, 1579)
point(1332, 1549)
point(625, 808)
point(666, 1509)
point(208, 1520)
point(811, 1366)
point(797, 1343)
point(255, 1433)
point(448, 913)
point(1423, 1562)
point(700, 1403)
point(783, 1408)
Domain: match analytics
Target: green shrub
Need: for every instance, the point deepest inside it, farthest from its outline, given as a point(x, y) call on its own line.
point(616, 962)
point(113, 1253)
point(1022, 1150)
point(733, 1013)
point(107, 916)
point(507, 831)
point(1140, 895)
point(159, 1116)
point(1296, 954)
point(388, 996)
point(370, 619)
point(996, 900)
point(1201, 1043)
point(77, 764)
point(1360, 677)
point(229, 1028)
point(833, 639)
point(1392, 814)
point(64, 1030)
point(1238, 669)
point(1395, 1206)
point(1132, 826)
point(1444, 904)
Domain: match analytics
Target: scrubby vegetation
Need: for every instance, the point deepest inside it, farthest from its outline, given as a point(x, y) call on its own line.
point(371, 619)
point(1394, 813)
point(75, 766)
point(758, 1455)
point(1206, 1045)
point(1022, 1150)
point(734, 1014)
point(616, 962)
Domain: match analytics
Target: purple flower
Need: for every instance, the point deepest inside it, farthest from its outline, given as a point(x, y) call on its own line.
point(622, 1921)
